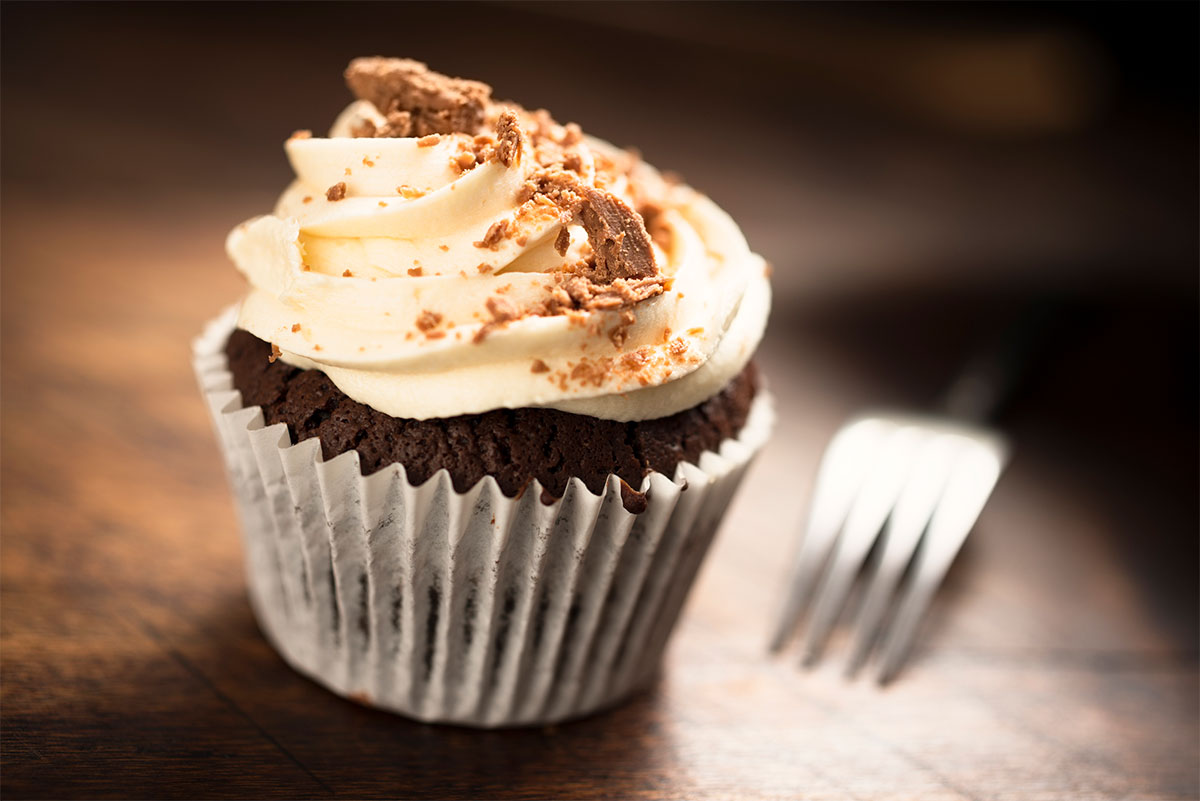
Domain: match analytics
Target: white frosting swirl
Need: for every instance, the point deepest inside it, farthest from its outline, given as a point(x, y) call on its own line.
point(386, 290)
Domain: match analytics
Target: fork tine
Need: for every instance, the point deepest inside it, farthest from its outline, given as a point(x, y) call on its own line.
point(839, 476)
point(972, 478)
point(869, 510)
point(914, 507)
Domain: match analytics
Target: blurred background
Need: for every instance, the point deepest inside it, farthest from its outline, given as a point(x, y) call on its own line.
point(917, 174)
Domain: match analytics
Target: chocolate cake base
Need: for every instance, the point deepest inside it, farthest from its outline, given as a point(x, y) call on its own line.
point(514, 446)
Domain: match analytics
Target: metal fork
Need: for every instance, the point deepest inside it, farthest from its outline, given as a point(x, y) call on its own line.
point(922, 482)
point(908, 488)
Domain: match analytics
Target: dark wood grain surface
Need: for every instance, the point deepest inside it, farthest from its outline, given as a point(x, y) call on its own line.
point(1059, 661)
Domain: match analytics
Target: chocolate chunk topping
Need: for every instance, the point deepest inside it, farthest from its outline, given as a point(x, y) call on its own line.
point(428, 320)
point(509, 138)
point(562, 241)
point(495, 234)
point(615, 231)
point(396, 123)
point(463, 161)
point(336, 192)
point(620, 332)
point(363, 129)
point(503, 311)
point(433, 103)
point(618, 237)
point(575, 292)
point(526, 192)
point(573, 161)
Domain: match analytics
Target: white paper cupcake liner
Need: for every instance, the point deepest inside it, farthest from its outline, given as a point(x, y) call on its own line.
point(469, 608)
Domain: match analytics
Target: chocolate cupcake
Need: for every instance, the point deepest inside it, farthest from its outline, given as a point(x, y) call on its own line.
point(484, 405)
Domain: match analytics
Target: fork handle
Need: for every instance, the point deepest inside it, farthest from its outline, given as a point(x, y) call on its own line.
point(990, 379)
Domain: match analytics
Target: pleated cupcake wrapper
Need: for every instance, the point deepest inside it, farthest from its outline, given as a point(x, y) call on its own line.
point(470, 608)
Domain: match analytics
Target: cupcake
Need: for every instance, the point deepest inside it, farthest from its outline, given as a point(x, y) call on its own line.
point(484, 404)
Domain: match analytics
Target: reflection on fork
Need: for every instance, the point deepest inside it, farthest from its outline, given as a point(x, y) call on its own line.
point(912, 489)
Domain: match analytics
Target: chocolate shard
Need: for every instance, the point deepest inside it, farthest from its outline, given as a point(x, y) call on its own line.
point(615, 231)
point(562, 241)
point(618, 237)
point(434, 103)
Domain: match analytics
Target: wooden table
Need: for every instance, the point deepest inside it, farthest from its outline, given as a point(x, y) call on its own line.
point(1059, 661)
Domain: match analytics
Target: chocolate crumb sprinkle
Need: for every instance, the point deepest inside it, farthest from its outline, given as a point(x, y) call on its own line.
point(528, 190)
point(336, 192)
point(620, 332)
point(503, 311)
point(510, 138)
point(463, 161)
point(428, 320)
point(497, 232)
